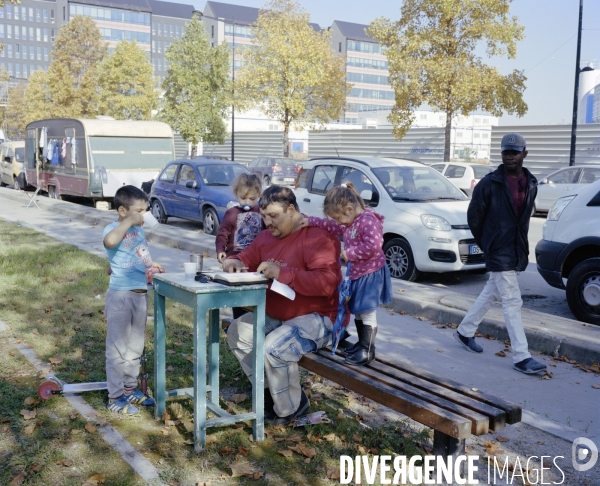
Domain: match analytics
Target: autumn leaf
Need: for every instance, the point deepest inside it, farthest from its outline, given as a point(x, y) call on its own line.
point(242, 450)
point(29, 429)
point(286, 453)
point(35, 331)
point(502, 354)
point(18, 479)
point(238, 397)
point(36, 468)
point(357, 438)
point(28, 414)
point(225, 451)
point(170, 369)
point(190, 357)
point(241, 469)
point(166, 415)
point(170, 351)
point(165, 432)
point(501, 438)
point(90, 428)
point(333, 474)
point(67, 463)
point(362, 450)
point(96, 479)
point(329, 437)
point(257, 475)
point(55, 360)
point(31, 401)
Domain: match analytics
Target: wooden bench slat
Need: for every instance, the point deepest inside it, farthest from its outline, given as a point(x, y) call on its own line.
point(423, 412)
point(479, 421)
point(496, 416)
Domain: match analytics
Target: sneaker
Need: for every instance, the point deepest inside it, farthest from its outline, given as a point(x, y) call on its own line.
point(138, 397)
point(123, 406)
point(468, 342)
point(529, 366)
point(303, 407)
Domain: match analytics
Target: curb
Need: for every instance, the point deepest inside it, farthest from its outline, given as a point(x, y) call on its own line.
point(546, 333)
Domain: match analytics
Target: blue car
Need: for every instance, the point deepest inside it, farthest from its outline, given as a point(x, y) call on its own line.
point(198, 190)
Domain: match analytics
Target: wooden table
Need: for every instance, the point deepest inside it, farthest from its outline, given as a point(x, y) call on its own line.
point(208, 298)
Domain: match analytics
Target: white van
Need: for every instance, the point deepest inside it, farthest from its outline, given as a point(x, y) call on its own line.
point(570, 250)
point(12, 158)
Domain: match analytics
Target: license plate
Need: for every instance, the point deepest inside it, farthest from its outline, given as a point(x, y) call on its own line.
point(475, 250)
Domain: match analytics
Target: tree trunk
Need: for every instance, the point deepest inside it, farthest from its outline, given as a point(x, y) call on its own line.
point(286, 139)
point(447, 136)
point(194, 150)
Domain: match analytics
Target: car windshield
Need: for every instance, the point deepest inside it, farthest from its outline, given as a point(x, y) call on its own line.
point(286, 162)
point(417, 184)
point(482, 171)
point(220, 175)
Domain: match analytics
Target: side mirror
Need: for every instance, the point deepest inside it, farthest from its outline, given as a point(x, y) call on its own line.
point(7, 159)
point(543, 181)
point(191, 184)
point(367, 195)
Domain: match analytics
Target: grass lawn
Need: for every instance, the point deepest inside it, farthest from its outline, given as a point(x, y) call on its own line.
point(52, 297)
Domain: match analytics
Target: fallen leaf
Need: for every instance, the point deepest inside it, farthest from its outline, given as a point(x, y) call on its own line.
point(90, 428)
point(88, 344)
point(28, 414)
point(258, 475)
point(85, 313)
point(170, 369)
point(597, 386)
point(333, 474)
point(55, 360)
point(36, 468)
point(29, 429)
point(502, 354)
point(362, 450)
point(35, 331)
point(238, 397)
point(67, 463)
point(357, 438)
point(341, 415)
point(96, 479)
point(165, 432)
point(225, 451)
point(439, 350)
point(19, 478)
point(329, 437)
point(286, 453)
point(307, 460)
point(170, 351)
point(241, 469)
point(243, 450)
point(30, 401)
point(190, 357)
point(166, 415)
point(171, 423)
point(178, 344)
point(501, 438)
point(373, 451)
point(190, 442)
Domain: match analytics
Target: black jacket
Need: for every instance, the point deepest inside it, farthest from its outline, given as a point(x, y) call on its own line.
point(492, 220)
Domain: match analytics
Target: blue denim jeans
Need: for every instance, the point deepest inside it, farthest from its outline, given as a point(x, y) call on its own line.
point(285, 343)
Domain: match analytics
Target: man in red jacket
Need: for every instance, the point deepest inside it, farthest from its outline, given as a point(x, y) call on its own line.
point(307, 260)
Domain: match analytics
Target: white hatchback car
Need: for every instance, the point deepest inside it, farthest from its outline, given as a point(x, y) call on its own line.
point(570, 249)
point(464, 176)
point(425, 227)
point(556, 184)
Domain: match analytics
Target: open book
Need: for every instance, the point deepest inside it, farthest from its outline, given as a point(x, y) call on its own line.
point(240, 278)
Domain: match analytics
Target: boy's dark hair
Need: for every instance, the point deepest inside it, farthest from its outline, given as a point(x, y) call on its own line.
point(278, 194)
point(128, 195)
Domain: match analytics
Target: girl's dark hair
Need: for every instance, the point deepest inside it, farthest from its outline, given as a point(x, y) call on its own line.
point(340, 196)
point(126, 196)
point(244, 180)
point(278, 194)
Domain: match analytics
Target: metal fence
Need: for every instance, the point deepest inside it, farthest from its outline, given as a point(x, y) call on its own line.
point(548, 146)
point(249, 145)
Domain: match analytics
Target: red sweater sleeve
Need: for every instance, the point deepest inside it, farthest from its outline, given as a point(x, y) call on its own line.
point(322, 273)
point(226, 228)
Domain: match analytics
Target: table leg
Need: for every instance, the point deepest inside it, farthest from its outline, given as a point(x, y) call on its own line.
point(213, 354)
point(200, 376)
point(258, 374)
point(160, 386)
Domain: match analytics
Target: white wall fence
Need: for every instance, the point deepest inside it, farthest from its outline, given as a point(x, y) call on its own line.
point(249, 145)
point(548, 146)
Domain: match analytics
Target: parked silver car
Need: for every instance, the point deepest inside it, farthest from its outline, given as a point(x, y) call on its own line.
point(553, 186)
point(275, 170)
point(462, 175)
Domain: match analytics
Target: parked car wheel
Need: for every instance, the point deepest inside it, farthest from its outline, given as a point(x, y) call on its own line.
point(583, 291)
point(266, 181)
point(158, 212)
point(210, 221)
point(400, 260)
point(2, 183)
point(16, 185)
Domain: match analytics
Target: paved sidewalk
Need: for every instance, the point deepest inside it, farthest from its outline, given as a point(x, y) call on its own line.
point(566, 405)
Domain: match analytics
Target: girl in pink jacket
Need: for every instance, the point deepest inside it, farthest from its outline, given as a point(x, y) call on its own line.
point(362, 230)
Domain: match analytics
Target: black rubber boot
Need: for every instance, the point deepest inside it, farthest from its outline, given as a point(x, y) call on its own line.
point(366, 351)
point(352, 349)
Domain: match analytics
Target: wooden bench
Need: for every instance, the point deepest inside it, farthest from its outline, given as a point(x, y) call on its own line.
point(453, 411)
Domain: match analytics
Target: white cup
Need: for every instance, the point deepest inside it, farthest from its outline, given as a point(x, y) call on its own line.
point(150, 220)
point(190, 270)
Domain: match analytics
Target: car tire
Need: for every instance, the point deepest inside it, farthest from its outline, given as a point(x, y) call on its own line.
point(210, 221)
point(584, 274)
point(266, 181)
point(2, 183)
point(159, 212)
point(400, 260)
point(16, 185)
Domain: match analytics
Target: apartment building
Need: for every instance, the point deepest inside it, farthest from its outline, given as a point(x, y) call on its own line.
point(28, 30)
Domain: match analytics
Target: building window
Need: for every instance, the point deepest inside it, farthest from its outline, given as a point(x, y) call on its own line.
point(170, 30)
point(52, 17)
point(38, 14)
point(9, 13)
point(158, 28)
point(485, 135)
point(212, 29)
point(52, 35)
point(17, 70)
point(38, 34)
point(1, 13)
point(31, 69)
point(459, 134)
point(177, 31)
point(2, 31)
point(39, 53)
point(9, 51)
point(45, 35)
point(24, 52)
point(423, 116)
point(477, 120)
point(159, 65)
point(17, 52)
point(16, 31)
point(45, 53)
point(45, 15)
point(182, 30)
point(153, 46)
point(31, 53)
point(9, 31)
point(340, 47)
point(475, 135)
point(30, 14)
point(153, 28)
point(10, 68)
point(31, 34)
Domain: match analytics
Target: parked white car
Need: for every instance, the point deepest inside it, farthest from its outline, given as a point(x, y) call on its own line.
point(570, 249)
point(425, 227)
point(464, 176)
point(554, 185)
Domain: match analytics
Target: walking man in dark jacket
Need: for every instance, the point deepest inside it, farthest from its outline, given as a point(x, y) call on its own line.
point(498, 217)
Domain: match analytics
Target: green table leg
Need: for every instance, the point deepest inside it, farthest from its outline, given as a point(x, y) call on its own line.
point(258, 375)
point(200, 375)
point(213, 354)
point(159, 355)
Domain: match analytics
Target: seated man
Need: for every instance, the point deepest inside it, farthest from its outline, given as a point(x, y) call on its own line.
point(306, 259)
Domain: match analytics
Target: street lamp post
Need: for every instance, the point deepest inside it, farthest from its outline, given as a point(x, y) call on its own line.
point(576, 94)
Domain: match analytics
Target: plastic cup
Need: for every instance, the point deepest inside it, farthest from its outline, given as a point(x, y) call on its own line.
point(190, 270)
point(150, 220)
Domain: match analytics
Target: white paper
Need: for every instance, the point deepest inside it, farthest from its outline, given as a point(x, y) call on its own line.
point(283, 289)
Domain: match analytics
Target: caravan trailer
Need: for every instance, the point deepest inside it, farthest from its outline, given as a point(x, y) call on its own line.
point(93, 158)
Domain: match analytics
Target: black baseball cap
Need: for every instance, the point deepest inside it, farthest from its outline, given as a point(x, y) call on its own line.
point(512, 141)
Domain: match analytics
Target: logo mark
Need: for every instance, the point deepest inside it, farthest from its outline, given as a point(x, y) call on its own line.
point(511, 139)
point(588, 452)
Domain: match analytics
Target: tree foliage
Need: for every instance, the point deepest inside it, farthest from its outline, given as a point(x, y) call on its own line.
point(290, 72)
point(432, 59)
point(197, 87)
point(127, 83)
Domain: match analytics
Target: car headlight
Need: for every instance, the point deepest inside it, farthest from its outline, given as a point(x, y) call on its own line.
point(232, 204)
point(435, 222)
point(558, 207)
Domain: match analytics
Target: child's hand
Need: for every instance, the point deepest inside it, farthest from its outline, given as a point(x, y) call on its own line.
point(136, 219)
point(304, 223)
point(343, 256)
point(221, 257)
point(158, 266)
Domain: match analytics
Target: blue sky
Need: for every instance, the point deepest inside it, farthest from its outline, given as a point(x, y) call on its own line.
point(547, 54)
